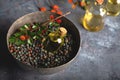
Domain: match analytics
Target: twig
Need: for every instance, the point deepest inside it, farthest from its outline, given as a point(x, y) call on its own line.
point(47, 22)
point(56, 18)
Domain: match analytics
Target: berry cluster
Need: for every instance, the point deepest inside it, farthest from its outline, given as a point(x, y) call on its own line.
point(58, 20)
point(83, 3)
point(55, 9)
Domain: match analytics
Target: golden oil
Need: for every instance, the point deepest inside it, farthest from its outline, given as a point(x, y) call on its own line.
point(93, 22)
point(113, 7)
point(113, 1)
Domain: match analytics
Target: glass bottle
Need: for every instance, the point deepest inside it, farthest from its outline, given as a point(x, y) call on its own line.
point(93, 18)
point(113, 7)
point(55, 40)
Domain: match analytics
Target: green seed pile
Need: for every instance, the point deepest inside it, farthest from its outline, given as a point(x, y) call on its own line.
point(37, 57)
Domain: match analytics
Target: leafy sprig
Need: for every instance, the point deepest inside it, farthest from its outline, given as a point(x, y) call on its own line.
point(30, 32)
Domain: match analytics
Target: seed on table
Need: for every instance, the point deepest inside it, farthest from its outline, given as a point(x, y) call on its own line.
point(14, 53)
point(56, 60)
point(46, 64)
point(66, 40)
point(34, 60)
point(45, 56)
point(22, 45)
point(67, 56)
point(11, 51)
point(70, 49)
point(67, 46)
point(50, 54)
point(29, 54)
point(66, 52)
point(33, 45)
point(45, 51)
point(28, 64)
point(48, 59)
point(64, 58)
point(36, 51)
point(18, 47)
point(30, 58)
point(57, 56)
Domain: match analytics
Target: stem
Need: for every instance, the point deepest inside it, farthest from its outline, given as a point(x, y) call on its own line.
point(62, 15)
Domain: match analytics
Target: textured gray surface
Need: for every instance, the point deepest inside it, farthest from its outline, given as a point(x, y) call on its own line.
point(99, 56)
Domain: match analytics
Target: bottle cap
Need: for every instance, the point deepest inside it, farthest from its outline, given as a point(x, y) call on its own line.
point(63, 31)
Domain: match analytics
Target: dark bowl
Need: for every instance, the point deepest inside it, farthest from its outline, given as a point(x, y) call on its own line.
point(42, 17)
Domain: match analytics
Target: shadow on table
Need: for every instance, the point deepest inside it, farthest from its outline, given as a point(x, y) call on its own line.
point(8, 65)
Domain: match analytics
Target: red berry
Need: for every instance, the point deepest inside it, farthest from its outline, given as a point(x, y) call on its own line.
point(43, 31)
point(58, 21)
point(51, 16)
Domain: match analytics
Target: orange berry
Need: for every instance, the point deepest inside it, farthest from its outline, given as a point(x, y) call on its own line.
point(73, 6)
point(55, 7)
point(22, 37)
point(100, 1)
point(54, 11)
point(43, 9)
point(59, 12)
point(70, 1)
point(82, 3)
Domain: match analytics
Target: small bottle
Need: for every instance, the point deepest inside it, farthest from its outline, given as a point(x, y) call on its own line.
point(93, 18)
point(113, 7)
point(55, 39)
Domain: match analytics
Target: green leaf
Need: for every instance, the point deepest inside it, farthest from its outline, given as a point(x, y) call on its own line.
point(56, 24)
point(37, 24)
point(51, 23)
point(38, 37)
point(12, 39)
point(31, 33)
point(19, 42)
point(39, 32)
point(17, 34)
point(22, 28)
point(43, 27)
